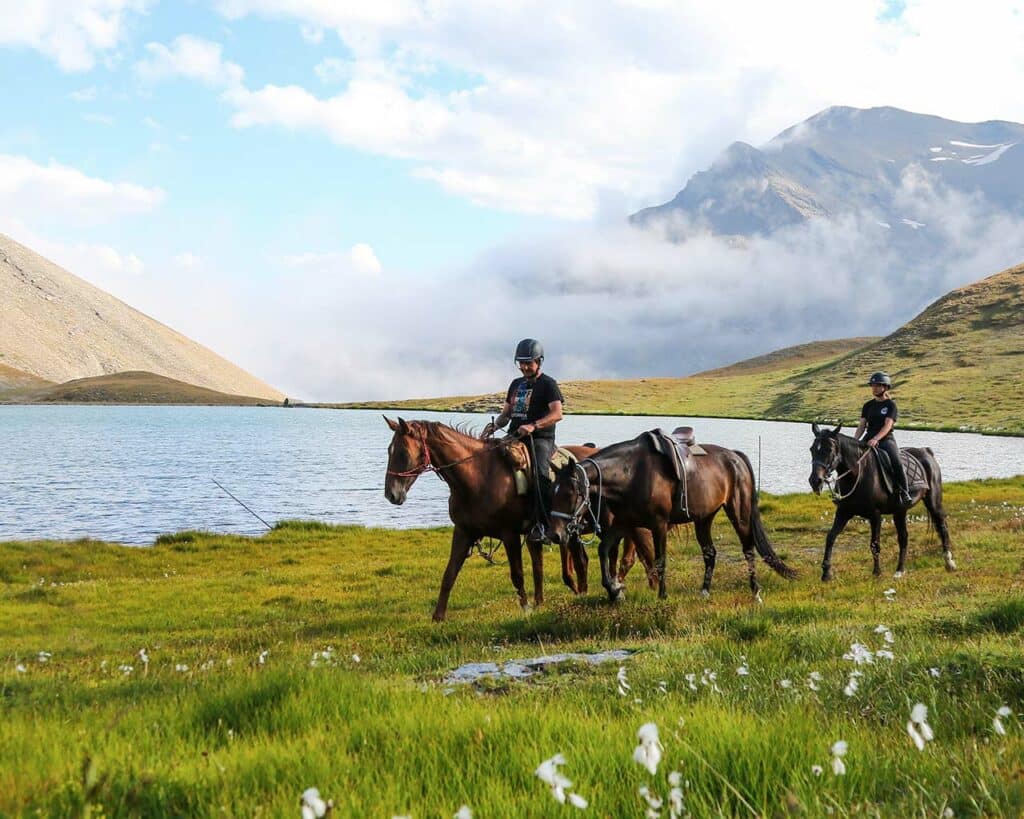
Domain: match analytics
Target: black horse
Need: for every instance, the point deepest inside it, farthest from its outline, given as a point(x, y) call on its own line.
point(859, 491)
point(630, 486)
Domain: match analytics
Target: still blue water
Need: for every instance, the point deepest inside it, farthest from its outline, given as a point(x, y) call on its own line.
point(128, 474)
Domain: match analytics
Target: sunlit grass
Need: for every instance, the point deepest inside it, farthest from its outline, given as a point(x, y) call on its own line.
point(216, 675)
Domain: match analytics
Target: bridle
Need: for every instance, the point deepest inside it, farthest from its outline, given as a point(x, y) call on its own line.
point(574, 526)
point(428, 466)
point(831, 467)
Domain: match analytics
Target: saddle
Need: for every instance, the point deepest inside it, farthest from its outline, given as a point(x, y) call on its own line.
point(677, 448)
point(912, 467)
point(517, 454)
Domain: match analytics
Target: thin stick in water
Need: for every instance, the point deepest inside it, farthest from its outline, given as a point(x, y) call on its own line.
point(246, 508)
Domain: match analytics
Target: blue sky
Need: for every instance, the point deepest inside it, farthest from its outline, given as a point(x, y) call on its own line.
point(302, 184)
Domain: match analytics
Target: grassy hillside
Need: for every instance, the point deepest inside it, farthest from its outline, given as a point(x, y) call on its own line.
point(735, 390)
point(13, 379)
point(958, 365)
point(307, 658)
point(127, 388)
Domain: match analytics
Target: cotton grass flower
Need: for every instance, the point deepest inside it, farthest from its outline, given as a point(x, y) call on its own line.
point(44, 656)
point(648, 752)
point(890, 595)
point(676, 808)
point(313, 806)
point(180, 667)
point(860, 654)
point(934, 672)
point(463, 813)
point(853, 683)
point(918, 728)
point(817, 770)
point(885, 654)
point(653, 801)
point(838, 752)
point(144, 657)
point(262, 659)
point(548, 773)
point(20, 668)
point(786, 683)
point(997, 720)
point(125, 669)
point(620, 677)
point(813, 679)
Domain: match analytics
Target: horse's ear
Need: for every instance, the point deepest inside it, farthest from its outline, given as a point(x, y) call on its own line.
point(839, 426)
point(815, 428)
point(403, 427)
point(392, 424)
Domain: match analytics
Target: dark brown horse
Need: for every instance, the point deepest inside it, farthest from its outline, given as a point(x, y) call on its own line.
point(859, 492)
point(629, 485)
point(483, 502)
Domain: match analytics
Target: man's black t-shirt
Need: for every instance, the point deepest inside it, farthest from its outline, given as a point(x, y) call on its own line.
point(529, 399)
point(875, 413)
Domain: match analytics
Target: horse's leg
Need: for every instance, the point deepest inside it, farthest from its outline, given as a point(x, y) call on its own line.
point(628, 557)
point(536, 548)
point(876, 542)
point(514, 550)
point(933, 503)
point(567, 552)
point(581, 561)
point(838, 524)
point(702, 526)
point(609, 539)
point(741, 523)
point(660, 534)
point(899, 520)
point(462, 542)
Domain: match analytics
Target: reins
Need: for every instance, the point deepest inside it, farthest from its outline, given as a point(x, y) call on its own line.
point(428, 466)
point(833, 483)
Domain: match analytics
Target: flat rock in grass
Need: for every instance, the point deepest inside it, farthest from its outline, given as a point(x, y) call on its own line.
point(522, 669)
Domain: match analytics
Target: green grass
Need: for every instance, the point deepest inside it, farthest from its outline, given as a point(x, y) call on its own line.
point(384, 736)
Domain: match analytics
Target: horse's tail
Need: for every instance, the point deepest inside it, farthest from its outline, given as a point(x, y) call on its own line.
point(758, 534)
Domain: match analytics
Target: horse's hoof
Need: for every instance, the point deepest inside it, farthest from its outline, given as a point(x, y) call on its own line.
point(438, 618)
point(705, 593)
point(759, 599)
point(898, 575)
point(826, 577)
point(950, 564)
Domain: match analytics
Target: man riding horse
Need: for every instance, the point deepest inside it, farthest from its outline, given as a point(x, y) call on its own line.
point(533, 403)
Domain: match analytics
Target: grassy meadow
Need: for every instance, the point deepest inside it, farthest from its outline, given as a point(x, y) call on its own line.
point(307, 658)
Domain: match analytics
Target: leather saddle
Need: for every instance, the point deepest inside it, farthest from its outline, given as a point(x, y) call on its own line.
point(517, 453)
point(912, 467)
point(677, 447)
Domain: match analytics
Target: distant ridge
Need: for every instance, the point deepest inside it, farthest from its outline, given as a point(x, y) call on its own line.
point(57, 327)
point(958, 365)
point(130, 388)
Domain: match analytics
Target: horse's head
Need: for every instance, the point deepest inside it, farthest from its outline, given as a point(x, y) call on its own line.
point(408, 458)
point(824, 455)
point(569, 499)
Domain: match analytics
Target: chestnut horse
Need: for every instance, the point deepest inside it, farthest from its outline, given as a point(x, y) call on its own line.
point(483, 502)
point(859, 492)
point(629, 485)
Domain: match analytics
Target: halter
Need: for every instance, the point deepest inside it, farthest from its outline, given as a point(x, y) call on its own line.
point(574, 526)
point(830, 467)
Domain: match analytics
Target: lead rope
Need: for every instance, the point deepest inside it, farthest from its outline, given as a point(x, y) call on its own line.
point(837, 496)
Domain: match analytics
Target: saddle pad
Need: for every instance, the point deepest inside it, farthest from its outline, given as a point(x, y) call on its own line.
point(912, 467)
point(559, 459)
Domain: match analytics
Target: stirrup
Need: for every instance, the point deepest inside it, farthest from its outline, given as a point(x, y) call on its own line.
point(538, 532)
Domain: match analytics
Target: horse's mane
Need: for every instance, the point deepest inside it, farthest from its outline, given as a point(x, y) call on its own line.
point(459, 432)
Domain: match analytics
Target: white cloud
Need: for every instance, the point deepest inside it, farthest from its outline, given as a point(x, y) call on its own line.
point(84, 94)
point(333, 70)
point(628, 97)
point(98, 119)
point(192, 57)
point(364, 260)
point(29, 190)
point(74, 34)
point(189, 261)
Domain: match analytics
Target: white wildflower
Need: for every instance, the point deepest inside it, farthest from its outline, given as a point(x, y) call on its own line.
point(125, 669)
point(934, 672)
point(620, 677)
point(20, 668)
point(948, 813)
point(648, 752)
point(817, 770)
point(885, 654)
point(918, 728)
point(997, 721)
point(887, 636)
point(675, 796)
point(890, 595)
point(853, 683)
point(463, 813)
point(743, 671)
point(838, 752)
point(578, 801)
point(813, 679)
point(356, 659)
point(860, 654)
point(547, 772)
point(786, 683)
point(313, 806)
point(881, 628)
point(262, 659)
point(691, 680)
point(44, 656)
point(663, 686)
point(144, 658)
point(180, 667)
point(654, 803)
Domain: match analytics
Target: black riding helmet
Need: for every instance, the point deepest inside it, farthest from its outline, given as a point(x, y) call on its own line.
point(529, 349)
point(880, 378)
